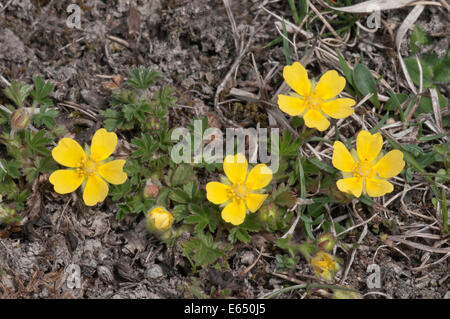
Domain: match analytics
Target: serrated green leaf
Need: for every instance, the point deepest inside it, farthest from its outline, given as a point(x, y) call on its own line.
point(182, 175)
point(41, 92)
point(18, 92)
point(419, 37)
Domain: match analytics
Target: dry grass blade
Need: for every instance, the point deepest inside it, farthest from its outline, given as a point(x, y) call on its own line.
point(419, 246)
point(437, 110)
point(405, 26)
point(374, 5)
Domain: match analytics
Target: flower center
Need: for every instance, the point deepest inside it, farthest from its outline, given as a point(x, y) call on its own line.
point(314, 102)
point(89, 166)
point(363, 170)
point(240, 191)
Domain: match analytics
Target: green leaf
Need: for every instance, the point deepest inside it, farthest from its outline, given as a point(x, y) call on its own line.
point(120, 191)
point(434, 70)
point(11, 167)
point(203, 251)
point(238, 233)
point(45, 117)
point(142, 78)
point(18, 92)
point(365, 83)
point(202, 217)
point(38, 142)
point(289, 146)
point(179, 196)
point(419, 37)
point(41, 92)
point(287, 53)
point(145, 147)
point(294, 12)
point(345, 69)
point(303, 9)
point(182, 175)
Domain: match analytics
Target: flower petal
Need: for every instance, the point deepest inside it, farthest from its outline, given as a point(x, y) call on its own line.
point(368, 146)
point(235, 167)
point(254, 201)
point(315, 119)
point(352, 185)
point(95, 190)
point(103, 145)
point(291, 105)
point(234, 212)
point(259, 177)
point(342, 159)
point(390, 164)
point(217, 193)
point(66, 180)
point(296, 77)
point(378, 187)
point(113, 172)
point(330, 85)
point(338, 108)
point(68, 153)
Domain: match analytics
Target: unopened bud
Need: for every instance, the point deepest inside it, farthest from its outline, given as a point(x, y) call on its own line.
point(151, 190)
point(267, 213)
point(326, 242)
point(19, 119)
point(7, 215)
point(159, 220)
point(153, 123)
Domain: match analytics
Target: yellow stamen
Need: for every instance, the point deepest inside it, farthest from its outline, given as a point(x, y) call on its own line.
point(314, 102)
point(240, 191)
point(363, 170)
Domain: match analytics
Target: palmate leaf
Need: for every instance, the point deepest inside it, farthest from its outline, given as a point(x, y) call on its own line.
point(45, 117)
point(289, 146)
point(37, 142)
point(10, 168)
point(142, 78)
point(41, 92)
point(165, 98)
point(203, 251)
point(18, 92)
point(203, 217)
point(145, 147)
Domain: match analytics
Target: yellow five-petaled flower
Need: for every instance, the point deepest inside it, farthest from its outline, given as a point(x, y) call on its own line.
point(315, 103)
point(240, 192)
point(365, 171)
point(91, 168)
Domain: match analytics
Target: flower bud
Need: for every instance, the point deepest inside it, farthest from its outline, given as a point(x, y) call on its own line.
point(151, 190)
point(153, 123)
point(326, 242)
point(268, 213)
point(159, 220)
point(7, 215)
point(19, 119)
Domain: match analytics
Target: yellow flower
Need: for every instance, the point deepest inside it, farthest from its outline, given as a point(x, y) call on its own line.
point(159, 219)
point(91, 168)
point(314, 103)
point(241, 192)
point(365, 171)
point(325, 265)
